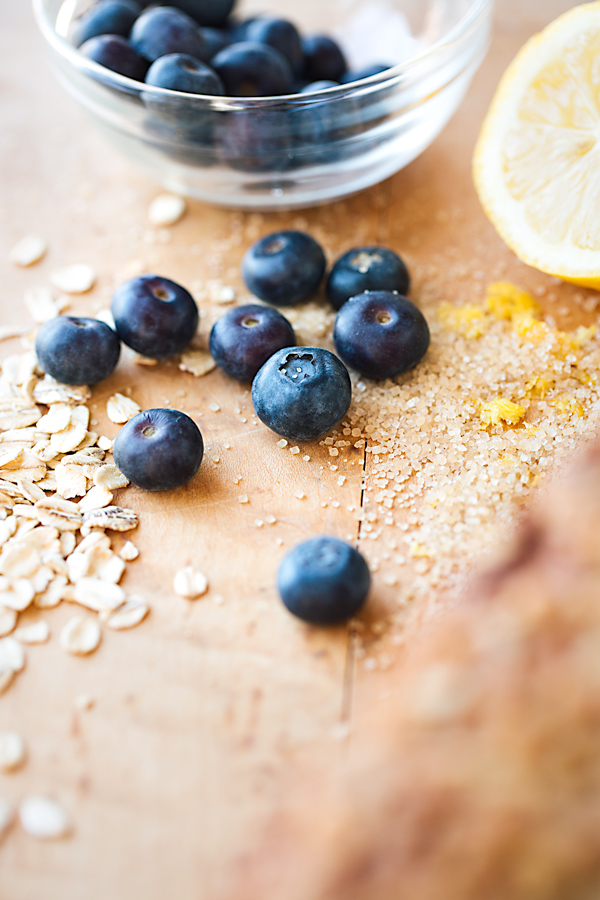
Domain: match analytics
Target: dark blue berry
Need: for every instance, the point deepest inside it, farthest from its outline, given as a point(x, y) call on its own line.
point(380, 334)
point(255, 140)
point(216, 40)
point(244, 338)
point(154, 316)
point(238, 28)
point(366, 72)
point(106, 17)
point(282, 36)
point(315, 86)
point(323, 59)
point(324, 581)
point(116, 53)
point(77, 351)
point(253, 70)
point(159, 449)
point(302, 393)
point(164, 29)
point(366, 269)
point(284, 268)
point(179, 72)
point(207, 12)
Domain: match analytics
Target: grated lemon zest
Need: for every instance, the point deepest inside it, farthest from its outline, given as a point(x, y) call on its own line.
point(469, 320)
point(508, 301)
point(501, 410)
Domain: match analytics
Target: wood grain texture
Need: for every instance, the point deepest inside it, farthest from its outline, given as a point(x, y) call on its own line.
point(202, 711)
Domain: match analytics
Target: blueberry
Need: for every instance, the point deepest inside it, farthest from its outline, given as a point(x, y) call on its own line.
point(116, 53)
point(179, 72)
point(366, 269)
point(313, 87)
point(280, 34)
point(324, 581)
point(380, 334)
point(154, 316)
point(302, 393)
point(323, 59)
point(366, 72)
point(216, 40)
point(207, 12)
point(323, 125)
point(106, 17)
point(253, 70)
point(244, 338)
point(284, 268)
point(77, 351)
point(159, 449)
point(255, 140)
point(164, 29)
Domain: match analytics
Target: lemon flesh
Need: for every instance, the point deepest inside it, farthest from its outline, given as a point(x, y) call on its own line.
point(537, 162)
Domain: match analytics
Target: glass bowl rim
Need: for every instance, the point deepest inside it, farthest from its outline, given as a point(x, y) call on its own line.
point(393, 75)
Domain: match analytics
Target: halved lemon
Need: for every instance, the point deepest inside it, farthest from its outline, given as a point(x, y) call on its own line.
point(537, 162)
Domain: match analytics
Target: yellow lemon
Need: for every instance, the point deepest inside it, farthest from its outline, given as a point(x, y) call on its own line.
point(537, 161)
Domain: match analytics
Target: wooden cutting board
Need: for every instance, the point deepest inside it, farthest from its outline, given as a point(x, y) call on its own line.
point(202, 711)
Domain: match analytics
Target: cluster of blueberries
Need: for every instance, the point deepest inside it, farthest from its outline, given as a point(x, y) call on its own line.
point(300, 393)
point(198, 47)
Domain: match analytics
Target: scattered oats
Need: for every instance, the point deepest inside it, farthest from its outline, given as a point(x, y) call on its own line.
point(16, 413)
point(54, 593)
point(6, 816)
point(49, 391)
point(333, 451)
point(114, 518)
point(42, 305)
point(105, 443)
point(282, 443)
point(224, 295)
point(98, 595)
point(12, 751)
point(390, 580)
point(166, 209)
point(70, 480)
point(306, 458)
point(7, 676)
point(259, 523)
point(12, 654)
point(216, 460)
point(80, 636)
point(279, 542)
point(129, 552)
point(294, 450)
point(214, 407)
point(8, 621)
point(76, 279)
point(197, 362)
point(43, 819)
point(6, 333)
point(190, 583)
point(67, 543)
point(30, 491)
point(63, 514)
point(341, 480)
point(71, 437)
point(84, 702)
point(129, 615)
point(37, 633)
point(106, 479)
point(300, 495)
point(335, 504)
point(243, 498)
point(106, 316)
point(121, 409)
point(29, 250)
point(270, 520)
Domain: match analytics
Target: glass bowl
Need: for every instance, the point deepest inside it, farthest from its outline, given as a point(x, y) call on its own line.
point(303, 149)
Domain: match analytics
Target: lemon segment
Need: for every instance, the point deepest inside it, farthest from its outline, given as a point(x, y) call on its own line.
point(537, 161)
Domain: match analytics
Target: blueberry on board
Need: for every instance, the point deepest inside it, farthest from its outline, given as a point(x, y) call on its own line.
point(255, 140)
point(179, 72)
point(250, 69)
point(244, 338)
point(207, 12)
point(164, 29)
point(154, 316)
point(366, 269)
point(216, 39)
point(366, 72)
point(324, 581)
point(302, 393)
point(116, 53)
point(75, 350)
point(282, 36)
point(106, 17)
point(284, 268)
point(159, 449)
point(380, 334)
point(323, 59)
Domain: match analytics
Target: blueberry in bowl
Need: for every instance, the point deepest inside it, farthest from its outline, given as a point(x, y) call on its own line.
point(324, 581)
point(186, 75)
point(284, 268)
point(116, 54)
point(76, 350)
point(253, 69)
point(159, 449)
point(243, 339)
point(280, 34)
point(301, 393)
point(381, 334)
point(366, 269)
point(107, 17)
point(154, 316)
point(164, 29)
